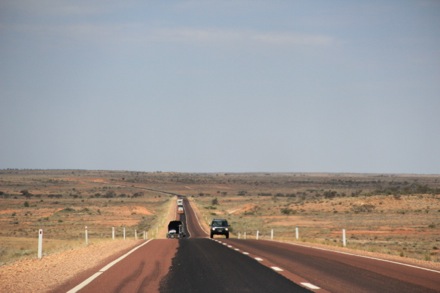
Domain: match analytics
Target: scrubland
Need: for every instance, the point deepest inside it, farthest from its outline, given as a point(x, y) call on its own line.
point(397, 215)
point(63, 203)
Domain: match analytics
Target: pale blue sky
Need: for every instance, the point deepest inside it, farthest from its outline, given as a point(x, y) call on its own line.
point(221, 86)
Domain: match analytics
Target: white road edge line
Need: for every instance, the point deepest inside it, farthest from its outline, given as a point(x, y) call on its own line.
point(364, 256)
point(310, 286)
point(259, 258)
point(94, 276)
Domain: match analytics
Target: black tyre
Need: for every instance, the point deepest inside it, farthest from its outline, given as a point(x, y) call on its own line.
point(212, 235)
point(227, 236)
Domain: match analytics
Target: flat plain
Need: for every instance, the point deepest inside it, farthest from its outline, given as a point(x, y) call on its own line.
point(389, 214)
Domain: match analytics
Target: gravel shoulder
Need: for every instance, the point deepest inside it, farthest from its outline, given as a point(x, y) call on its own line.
point(35, 275)
point(55, 270)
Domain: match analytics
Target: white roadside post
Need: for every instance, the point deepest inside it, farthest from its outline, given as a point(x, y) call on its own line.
point(271, 234)
point(113, 233)
point(296, 233)
point(344, 239)
point(87, 236)
point(40, 244)
point(258, 234)
point(123, 232)
point(244, 235)
point(135, 234)
point(239, 235)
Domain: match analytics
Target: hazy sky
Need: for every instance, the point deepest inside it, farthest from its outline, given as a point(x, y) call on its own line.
point(221, 86)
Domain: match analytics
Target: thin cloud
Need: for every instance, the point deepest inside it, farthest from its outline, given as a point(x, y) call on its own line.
point(198, 35)
point(138, 33)
point(293, 39)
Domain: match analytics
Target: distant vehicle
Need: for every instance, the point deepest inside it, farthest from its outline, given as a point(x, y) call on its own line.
point(175, 230)
point(219, 227)
point(180, 210)
point(180, 202)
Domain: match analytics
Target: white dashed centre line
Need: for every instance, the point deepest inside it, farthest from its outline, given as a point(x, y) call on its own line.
point(310, 286)
point(277, 269)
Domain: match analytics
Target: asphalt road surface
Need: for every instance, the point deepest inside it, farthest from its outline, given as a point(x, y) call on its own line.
point(202, 265)
point(199, 264)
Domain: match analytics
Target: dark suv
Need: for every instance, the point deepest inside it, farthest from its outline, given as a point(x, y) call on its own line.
point(219, 227)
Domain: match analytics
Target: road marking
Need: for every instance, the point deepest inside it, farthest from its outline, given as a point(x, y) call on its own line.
point(278, 269)
point(364, 256)
point(310, 286)
point(230, 246)
point(198, 221)
point(97, 274)
point(186, 226)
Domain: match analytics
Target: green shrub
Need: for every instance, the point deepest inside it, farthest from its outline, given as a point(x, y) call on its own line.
point(287, 211)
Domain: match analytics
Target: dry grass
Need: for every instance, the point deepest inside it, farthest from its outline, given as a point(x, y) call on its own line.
point(63, 204)
point(392, 214)
point(405, 225)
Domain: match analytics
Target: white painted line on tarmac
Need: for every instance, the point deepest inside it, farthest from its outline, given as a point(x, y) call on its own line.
point(197, 218)
point(310, 286)
point(85, 283)
point(94, 276)
point(277, 269)
point(364, 256)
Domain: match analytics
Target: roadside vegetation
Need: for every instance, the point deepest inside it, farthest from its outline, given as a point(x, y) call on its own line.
point(388, 214)
point(63, 203)
point(397, 215)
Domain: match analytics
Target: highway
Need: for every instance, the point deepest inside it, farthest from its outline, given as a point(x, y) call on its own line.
point(199, 264)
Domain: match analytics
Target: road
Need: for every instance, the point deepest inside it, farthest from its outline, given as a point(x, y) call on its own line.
point(200, 264)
